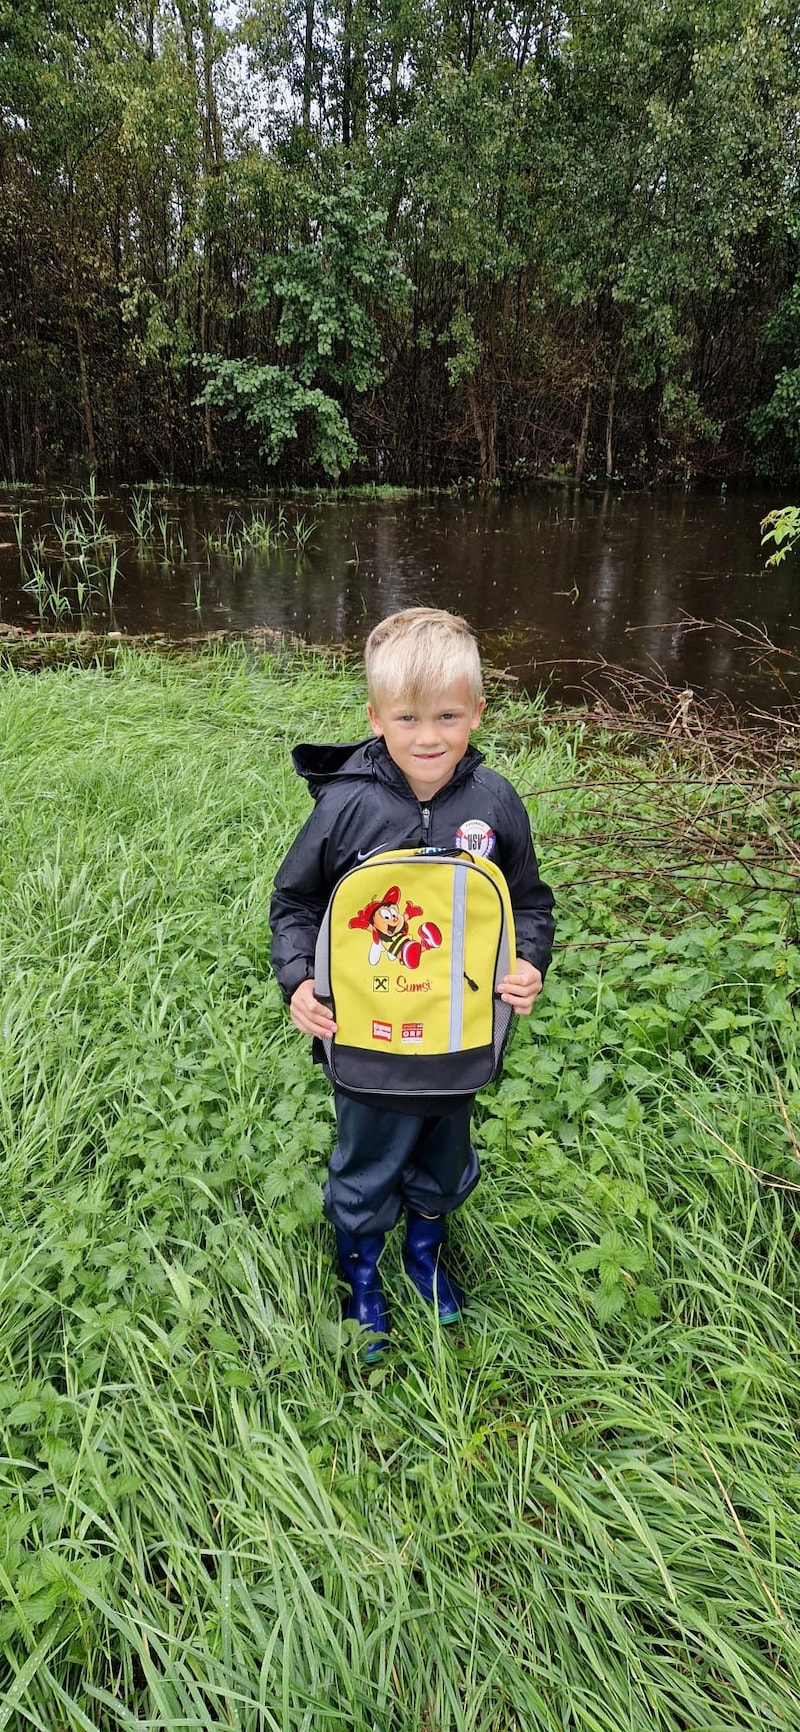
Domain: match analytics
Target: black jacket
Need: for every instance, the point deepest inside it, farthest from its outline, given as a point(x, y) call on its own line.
point(364, 804)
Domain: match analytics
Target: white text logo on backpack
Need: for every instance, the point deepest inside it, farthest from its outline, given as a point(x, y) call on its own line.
point(476, 836)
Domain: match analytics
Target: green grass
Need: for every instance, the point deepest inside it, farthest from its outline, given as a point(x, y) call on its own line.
point(581, 1513)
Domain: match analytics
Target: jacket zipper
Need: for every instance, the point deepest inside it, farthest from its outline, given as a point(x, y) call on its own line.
point(426, 823)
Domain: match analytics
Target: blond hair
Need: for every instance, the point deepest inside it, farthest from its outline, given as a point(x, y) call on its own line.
point(419, 653)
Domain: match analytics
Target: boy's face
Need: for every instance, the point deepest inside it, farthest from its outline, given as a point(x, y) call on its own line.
point(428, 740)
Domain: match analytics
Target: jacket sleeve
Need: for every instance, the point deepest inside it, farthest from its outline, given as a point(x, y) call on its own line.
point(531, 898)
point(299, 899)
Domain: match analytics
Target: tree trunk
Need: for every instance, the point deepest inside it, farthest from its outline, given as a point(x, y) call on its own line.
point(543, 42)
point(212, 154)
point(347, 70)
point(469, 50)
point(10, 463)
point(86, 405)
point(580, 454)
point(354, 86)
point(610, 416)
point(308, 62)
point(485, 433)
point(214, 146)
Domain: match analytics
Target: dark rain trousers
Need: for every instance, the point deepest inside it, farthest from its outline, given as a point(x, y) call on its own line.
point(384, 1162)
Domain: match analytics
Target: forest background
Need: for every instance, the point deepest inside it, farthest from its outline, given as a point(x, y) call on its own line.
point(281, 240)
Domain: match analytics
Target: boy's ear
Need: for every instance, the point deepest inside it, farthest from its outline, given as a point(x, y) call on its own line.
point(479, 709)
point(375, 721)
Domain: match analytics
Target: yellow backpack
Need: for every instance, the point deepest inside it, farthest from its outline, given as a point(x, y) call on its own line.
point(410, 955)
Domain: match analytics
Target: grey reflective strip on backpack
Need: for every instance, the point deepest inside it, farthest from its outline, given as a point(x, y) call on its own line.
point(457, 957)
point(502, 1012)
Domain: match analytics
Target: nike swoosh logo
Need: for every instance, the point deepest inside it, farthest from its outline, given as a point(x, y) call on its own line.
point(365, 854)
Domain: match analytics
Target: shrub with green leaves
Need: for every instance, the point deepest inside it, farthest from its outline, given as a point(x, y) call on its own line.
point(582, 1512)
point(325, 298)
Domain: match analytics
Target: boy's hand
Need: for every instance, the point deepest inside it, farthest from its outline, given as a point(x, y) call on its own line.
point(308, 1014)
point(522, 987)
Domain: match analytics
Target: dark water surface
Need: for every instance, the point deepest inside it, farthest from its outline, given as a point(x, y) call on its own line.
point(550, 580)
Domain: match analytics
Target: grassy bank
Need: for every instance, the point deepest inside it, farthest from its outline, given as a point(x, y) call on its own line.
point(585, 1511)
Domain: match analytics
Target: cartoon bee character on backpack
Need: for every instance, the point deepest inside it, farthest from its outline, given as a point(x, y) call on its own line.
point(390, 930)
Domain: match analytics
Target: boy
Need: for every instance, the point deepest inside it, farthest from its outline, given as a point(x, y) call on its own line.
point(417, 782)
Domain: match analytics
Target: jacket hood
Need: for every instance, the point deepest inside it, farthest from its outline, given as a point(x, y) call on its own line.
point(366, 760)
point(318, 765)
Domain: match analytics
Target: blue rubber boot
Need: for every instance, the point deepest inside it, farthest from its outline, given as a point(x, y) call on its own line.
point(423, 1265)
point(358, 1261)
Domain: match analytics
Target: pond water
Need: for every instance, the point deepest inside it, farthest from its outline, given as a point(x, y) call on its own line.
point(553, 581)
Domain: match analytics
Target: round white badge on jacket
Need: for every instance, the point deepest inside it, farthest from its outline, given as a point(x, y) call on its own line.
point(476, 836)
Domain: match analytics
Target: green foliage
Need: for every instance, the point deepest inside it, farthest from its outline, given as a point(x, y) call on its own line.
point(329, 291)
point(779, 420)
point(330, 288)
point(782, 529)
point(272, 401)
point(594, 206)
point(775, 424)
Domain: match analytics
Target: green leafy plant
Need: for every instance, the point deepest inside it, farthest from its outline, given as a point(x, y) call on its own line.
point(142, 515)
point(617, 1264)
point(263, 533)
point(325, 292)
point(18, 520)
point(302, 531)
point(781, 528)
point(36, 584)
